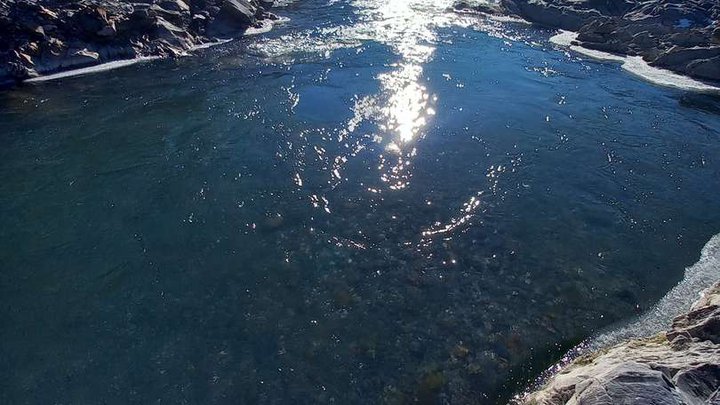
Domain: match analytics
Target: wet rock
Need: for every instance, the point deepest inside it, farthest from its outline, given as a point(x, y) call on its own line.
point(626, 381)
point(174, 5)
point(270, 16)
point(241, 10)
point(26, 58)
point(91, 19)
point(460, 352)
point(108, 31)
point(480, 7)
point(556, 16)
point(678, 56)
point(171, 33)
point(140, 20)
point(34, 33)
point(680, 366)
point(38, 31)
point(267, 4)
point(702, 324)
point(176, 17)
point(31, 48)
point(232, 16)
point(82, 57)
point(701, 62)
point(430, 386)
point(701, 381)
point(48, 14)
point(112, 52)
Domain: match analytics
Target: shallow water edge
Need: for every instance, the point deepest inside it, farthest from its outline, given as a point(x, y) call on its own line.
point(697, 280)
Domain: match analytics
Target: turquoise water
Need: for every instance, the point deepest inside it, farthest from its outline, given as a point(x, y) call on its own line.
point(370, 204)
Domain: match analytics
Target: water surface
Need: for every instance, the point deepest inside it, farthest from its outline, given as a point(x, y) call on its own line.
point(373, 203)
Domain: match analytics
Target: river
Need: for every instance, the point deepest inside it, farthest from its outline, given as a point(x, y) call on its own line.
point(375, 202)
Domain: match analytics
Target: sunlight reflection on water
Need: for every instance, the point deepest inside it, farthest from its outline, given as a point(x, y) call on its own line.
point(408, 28)
point(404, 105)
point(393, 120)
point(395, 117)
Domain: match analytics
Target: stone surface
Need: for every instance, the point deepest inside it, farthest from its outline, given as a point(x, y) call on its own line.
point(39, 37)
point(680, 366)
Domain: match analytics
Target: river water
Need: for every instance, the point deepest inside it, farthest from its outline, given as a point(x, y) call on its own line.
point(376, 202)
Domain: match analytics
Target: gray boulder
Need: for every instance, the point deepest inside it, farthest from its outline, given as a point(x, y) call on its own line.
point(44, 36)
point(629, 382)
point(241, 10)
point(553, 14)
point(677, 367)
point(705, 68)
point(234, 15)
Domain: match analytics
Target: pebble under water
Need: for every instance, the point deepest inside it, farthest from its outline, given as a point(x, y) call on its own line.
point(376, 202)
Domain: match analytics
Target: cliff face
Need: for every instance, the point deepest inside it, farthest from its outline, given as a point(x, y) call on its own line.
point(676, 367)
point(679, 35)
point(44, 36)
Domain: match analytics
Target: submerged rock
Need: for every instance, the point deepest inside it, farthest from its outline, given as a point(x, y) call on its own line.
point(679, 35)
point(680, 366)
point(44, 36)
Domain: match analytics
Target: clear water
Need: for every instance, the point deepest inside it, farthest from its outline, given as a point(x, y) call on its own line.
point(371, 204)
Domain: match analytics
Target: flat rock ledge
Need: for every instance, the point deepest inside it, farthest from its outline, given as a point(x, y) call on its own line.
point(679, 35)
point(39, 37)
point(678, 367)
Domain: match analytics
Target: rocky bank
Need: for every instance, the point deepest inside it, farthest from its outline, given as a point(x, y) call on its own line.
point(38, 37)
point(678, 367)
point(678, 35)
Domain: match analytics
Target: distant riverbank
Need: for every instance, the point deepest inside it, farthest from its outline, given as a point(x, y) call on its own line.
point(44, 37)
point(681, 36)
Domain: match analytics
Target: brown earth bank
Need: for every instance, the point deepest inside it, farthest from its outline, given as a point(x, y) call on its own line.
point(38, 37)
point(679, 35)
point(680, 366)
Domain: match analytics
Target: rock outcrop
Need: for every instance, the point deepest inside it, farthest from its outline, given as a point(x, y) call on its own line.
point(44, 36)
point(679, 35)
point(677, 367)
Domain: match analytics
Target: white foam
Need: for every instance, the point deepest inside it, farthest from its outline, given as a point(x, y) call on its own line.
point(564, 38)
point(91, 69)
point(210, 44)
point(494, 17)
point(698, 277)
point(266, 26)
point(508, 19)
point(637, 66)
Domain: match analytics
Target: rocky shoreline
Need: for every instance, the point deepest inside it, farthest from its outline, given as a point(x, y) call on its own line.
point(676, 367)
point(40, 37)
point(679, 35)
